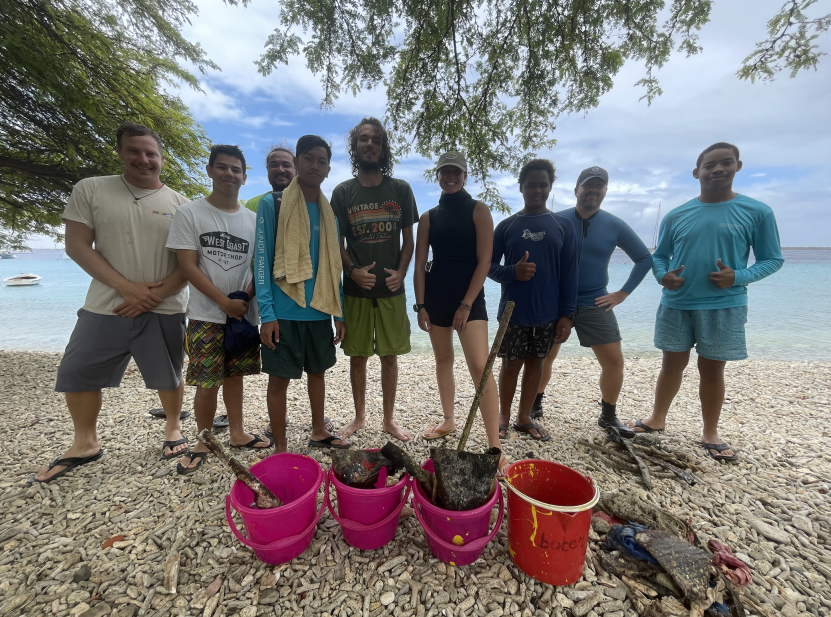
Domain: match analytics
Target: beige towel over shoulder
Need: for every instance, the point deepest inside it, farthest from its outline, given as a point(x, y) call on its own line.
point(292, 261)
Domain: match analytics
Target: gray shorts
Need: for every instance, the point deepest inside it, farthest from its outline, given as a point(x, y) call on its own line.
point(101, 347)
point(595, 326)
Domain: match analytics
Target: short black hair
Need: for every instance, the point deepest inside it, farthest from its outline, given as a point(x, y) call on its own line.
point(717, 146)
point(281, 148)
point(537, 164)
point(307, 142)
point(230, 151)
point(132, 129)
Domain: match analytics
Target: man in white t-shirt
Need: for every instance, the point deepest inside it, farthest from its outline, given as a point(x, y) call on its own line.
point(116, 229)
point(214, 241)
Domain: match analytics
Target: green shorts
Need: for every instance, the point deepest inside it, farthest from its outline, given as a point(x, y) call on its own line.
point(304, 346)
point(376, 326)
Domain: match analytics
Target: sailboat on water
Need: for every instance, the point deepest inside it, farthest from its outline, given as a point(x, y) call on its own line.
point(657, 227)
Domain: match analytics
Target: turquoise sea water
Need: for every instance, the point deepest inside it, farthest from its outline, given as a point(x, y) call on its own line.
point(786, 317)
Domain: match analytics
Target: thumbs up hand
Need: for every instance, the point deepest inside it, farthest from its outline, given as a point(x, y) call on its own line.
point(671, 279)
point(724, 278)
point(525, 270)
point(363, 277)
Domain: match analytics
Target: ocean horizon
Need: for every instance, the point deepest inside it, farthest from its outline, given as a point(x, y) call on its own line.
point(782, 325)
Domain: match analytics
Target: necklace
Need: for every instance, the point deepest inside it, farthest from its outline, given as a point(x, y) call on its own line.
point(126, 186)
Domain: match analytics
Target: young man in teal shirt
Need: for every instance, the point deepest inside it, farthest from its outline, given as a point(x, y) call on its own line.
point(297, 304)
point(701, 260)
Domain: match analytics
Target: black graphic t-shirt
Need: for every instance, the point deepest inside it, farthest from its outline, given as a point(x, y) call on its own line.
point(224, 242)
point(372, 218)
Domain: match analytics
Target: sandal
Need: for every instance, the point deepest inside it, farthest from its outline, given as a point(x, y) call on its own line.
point(532, 426)
point(71, 463)
point(269, 434)
point(253, 443)
point(159, 413)
point(192, 455)
point(439, 434)
point(171, 445)
point(503, 431)
point(720, 447)
point(327, 443)
point(646, 428)
point(221, 421)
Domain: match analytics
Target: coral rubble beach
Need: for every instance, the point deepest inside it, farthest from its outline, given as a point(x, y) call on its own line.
point(52, 561)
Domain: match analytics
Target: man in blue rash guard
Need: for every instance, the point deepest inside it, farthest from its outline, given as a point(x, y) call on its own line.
point(533, 238)
point(701, 260)
point(599, 233)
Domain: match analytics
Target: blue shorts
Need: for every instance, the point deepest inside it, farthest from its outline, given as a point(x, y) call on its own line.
point(716, 334)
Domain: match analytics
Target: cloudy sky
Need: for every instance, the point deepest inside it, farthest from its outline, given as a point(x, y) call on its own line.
point(782, 128)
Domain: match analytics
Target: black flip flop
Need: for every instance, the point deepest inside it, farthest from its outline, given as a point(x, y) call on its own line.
point(70, 462)
point(646, 428)
point(528, 427)
point(268, 432)
point(159, 413)
point(221, 421)
point(257, 439)
point(171, 445)
point(327, 443)
point(720, 447)
point(503, 427)
point(188, 470)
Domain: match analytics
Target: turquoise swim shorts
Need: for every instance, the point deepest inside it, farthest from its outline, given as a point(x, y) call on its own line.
point(716, 334)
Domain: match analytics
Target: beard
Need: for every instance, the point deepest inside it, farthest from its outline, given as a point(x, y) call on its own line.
point(281, 184)
point(368, 166)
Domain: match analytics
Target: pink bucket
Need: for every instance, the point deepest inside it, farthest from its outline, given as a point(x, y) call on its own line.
point(369, 517)
point(457, 538)
point(278, 535)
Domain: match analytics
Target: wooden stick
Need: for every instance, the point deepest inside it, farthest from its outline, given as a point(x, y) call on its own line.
point(263, 497)
point(497, 341)
point(684, 475)
point(402, 459)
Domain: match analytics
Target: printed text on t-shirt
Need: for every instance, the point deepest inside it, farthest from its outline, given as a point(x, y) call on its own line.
point(223, 249)
point(373, 222)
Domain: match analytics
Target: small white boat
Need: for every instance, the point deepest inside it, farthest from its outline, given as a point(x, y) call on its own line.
point(7, 255)
point(22, 280)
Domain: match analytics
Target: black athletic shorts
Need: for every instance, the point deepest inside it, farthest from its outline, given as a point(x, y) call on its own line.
point(521, 341)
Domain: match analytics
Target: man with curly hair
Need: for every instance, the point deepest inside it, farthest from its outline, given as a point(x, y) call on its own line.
point(375, 213)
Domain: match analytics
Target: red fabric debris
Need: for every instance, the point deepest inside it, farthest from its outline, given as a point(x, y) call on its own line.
point(736, 571)
point(609, 518)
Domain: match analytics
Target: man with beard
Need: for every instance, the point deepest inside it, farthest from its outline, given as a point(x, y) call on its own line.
point(599, 233)
point(281, 171)
point(374, 212)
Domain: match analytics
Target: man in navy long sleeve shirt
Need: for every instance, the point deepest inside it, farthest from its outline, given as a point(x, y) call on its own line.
point(599, 233)
point(545, 301)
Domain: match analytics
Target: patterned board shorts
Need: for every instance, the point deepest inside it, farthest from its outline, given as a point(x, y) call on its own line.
point(521, 341)
point(716, 334)
point(208, 365)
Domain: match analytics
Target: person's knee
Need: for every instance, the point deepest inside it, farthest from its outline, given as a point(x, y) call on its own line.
point(675, 362)
point(533, 363)
point(358, 362)
point(389, 362)
point(316, 377)
point(277, 385)
point(712, 370)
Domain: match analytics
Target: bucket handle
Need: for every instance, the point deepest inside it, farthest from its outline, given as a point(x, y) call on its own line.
point(552, 508)
point(345, 522)
point(282, 542)
point(473, 546)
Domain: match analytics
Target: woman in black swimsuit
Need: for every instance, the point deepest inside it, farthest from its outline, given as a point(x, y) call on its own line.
point(450, 295)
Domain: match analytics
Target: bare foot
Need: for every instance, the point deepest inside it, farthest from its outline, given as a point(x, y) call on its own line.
point(443, 428)
point(347, 431)
point(174, 435)
point(502, 469)
point(715, 453)
point(338, 441)
point(647, 422)
point(406, 512)
point(396, 431)
point(44, 473)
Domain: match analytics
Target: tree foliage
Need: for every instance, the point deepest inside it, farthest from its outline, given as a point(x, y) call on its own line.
point(71, 72)
point(491, 77)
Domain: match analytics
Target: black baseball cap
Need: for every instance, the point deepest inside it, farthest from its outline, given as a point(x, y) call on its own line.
point(307, 142)
point(592, 172)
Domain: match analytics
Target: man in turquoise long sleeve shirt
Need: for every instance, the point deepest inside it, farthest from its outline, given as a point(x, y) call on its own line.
point(701, 260)
point(295, 338)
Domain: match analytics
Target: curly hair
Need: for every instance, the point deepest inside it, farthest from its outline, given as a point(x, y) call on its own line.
point(537, 165)
point(385, 162)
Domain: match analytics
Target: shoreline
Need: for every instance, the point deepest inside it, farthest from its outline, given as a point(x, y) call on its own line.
point(774, 414)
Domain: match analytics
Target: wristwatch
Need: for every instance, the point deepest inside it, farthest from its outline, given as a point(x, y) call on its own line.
point(417, 307)
point(347, 271)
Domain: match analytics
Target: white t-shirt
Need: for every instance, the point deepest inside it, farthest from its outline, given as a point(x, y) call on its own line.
point(129, 234)
point(225, 242)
